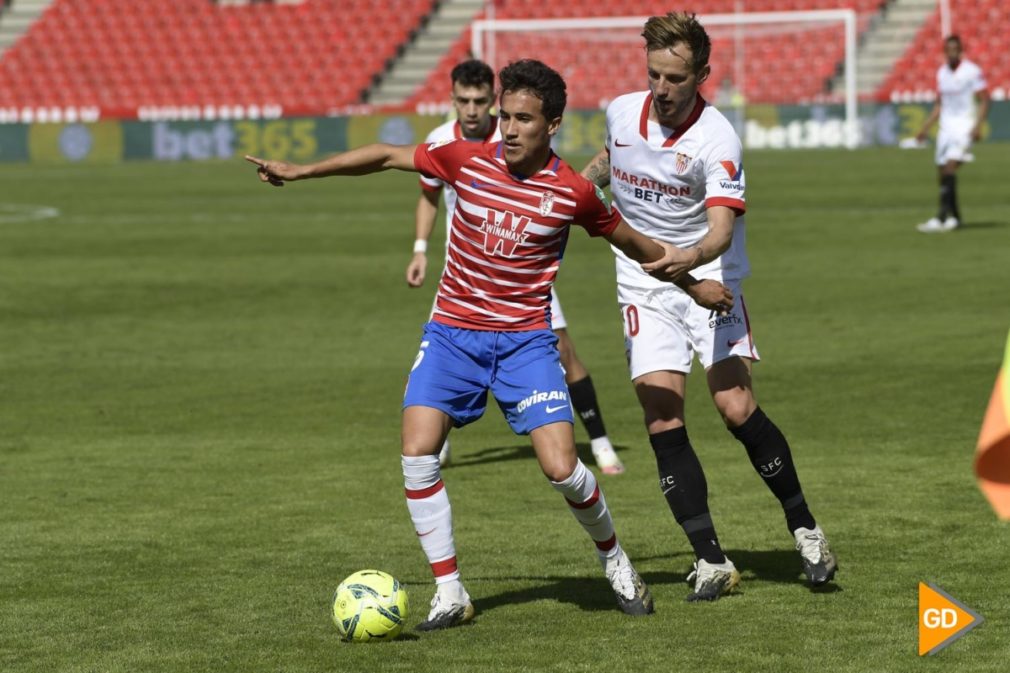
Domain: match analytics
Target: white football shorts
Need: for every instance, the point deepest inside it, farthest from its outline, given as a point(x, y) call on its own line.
point(557, 315)
point(953, 146)
point(664, 329)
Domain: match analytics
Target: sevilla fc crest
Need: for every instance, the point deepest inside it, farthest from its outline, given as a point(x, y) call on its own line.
point(546, 203)
point(683, 161)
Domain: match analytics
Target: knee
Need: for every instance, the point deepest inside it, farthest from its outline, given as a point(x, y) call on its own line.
point(558, 468)
point(661, 412)
point(412, 450)
point(735, 407)
point(414, 446)
point(657, 424)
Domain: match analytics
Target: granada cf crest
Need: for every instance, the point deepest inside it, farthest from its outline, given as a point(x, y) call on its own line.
point(546, 203)
point(683, 161)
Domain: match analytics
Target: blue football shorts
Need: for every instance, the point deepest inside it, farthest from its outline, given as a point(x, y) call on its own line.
point(455, 368)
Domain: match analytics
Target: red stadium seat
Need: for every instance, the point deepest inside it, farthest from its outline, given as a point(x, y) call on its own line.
point(209, 54)
point(982, 27)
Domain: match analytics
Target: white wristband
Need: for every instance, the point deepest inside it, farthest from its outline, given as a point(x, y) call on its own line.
point(420, 245)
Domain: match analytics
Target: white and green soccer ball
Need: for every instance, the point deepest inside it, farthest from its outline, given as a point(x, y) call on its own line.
point(369, 605)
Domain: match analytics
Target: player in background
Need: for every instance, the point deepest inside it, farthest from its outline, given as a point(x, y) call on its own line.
point(959, 83)
point(674, 164)
point(472, 98)
point(490, 329)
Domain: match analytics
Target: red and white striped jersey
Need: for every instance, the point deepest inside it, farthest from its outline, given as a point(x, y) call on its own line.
point(507, 234)
point(452, 131)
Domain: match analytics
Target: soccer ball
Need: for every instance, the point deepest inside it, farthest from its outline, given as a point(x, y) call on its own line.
point(369, 605)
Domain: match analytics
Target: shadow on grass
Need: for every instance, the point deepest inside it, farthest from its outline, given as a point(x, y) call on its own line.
point(969, 225)
point(771, 565)
point(587, 593)
point(593, 594)
point(498, 454)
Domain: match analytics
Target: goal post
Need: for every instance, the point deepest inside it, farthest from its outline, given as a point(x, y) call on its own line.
point(490, 40)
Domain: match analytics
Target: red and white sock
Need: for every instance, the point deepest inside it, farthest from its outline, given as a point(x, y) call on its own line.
point(587, 503)
point(429, 508)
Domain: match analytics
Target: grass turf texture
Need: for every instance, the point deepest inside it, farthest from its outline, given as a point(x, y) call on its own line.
point(199, 423)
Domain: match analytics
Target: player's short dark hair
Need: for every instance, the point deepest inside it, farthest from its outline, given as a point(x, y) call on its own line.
point(539, 79)
point(953, 37)
point(663, 32)
point(473, 73)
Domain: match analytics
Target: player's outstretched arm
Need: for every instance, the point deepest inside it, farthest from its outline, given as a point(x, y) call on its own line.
point(597, 171)
point(710, 294)
point(424, 224)
point(360, 161)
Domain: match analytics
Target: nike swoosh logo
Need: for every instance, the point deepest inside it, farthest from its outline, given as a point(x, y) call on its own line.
point(478, 185)
point(730, 342)
point(620, 144)
point(551, 410)
point(428, 533)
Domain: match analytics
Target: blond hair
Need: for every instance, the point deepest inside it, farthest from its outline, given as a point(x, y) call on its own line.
point(664, 32)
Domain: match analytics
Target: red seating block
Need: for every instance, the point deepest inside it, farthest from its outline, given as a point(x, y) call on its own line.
point(316, 55)
point(982, 27)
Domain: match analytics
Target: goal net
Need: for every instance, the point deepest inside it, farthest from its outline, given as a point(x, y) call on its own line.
point(758, 58)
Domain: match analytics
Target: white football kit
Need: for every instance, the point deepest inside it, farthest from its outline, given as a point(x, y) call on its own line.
point(451, 131)
point(956, 89)
point(663, 181)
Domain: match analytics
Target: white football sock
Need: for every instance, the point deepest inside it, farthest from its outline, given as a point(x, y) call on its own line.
point(586, 501)
point(429, 508)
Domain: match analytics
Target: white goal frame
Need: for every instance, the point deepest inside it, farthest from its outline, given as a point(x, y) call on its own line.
point(847, 17)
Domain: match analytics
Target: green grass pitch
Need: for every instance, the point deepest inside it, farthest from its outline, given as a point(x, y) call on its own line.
point(200, 379)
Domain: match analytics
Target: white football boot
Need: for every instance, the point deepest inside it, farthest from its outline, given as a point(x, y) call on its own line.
point(450, 607)
point(935, 225)
point(606, 457)
point(950, 224)
point(931, 226)
point(819, 564)
point(712, 580)
point(632, 594)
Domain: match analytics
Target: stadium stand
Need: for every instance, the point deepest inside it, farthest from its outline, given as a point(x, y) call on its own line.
point(124, 57)
point(121, 56)
point(982, 25)
point(778, 67)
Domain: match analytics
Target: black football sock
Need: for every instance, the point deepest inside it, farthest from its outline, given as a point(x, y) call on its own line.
point(769, 453)
point(584, 400)
point(683, 483)
point(946, 194)
point(952, 198)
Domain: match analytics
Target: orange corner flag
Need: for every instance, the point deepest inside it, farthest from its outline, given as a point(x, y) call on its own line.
point(942, 619)
point(992, 456)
